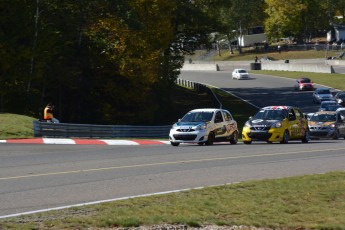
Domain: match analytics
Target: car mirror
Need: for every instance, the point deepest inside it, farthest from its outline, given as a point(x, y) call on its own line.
point(250, 118)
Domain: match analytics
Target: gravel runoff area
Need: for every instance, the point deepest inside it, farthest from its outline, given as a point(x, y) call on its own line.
point(184, 227)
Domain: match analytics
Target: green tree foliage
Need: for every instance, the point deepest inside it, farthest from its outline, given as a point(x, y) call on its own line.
point(238, 16)
point(300, 19)
point(99, 61)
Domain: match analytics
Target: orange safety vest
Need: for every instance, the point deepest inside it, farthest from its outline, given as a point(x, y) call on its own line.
point(48, 113)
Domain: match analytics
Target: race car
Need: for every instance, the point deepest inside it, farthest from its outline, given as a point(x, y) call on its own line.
point(276, 124)
point(204, 126)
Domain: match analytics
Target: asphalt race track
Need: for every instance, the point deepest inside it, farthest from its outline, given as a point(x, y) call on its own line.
point(260, 90)
point(35, 177)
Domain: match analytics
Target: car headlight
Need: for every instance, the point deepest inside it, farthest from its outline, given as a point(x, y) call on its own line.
point(332, 125)
point(201, 126)
point(277, 125)
point(247, 124)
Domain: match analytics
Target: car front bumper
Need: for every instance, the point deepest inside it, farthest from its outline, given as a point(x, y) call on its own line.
point(188, 137)
point(321, 132)
point(271, 135)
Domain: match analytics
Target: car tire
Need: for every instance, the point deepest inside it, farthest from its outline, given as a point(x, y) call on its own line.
point(174, 143)
point(210, 139)
point(336, 135)
point(247, 142)
point(286, 137)
point(306, 137)
point(201, 143)
point(234, 138)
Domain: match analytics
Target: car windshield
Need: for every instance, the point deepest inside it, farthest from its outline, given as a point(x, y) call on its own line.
point(324, 91)
point(242, 71)
point(276, 114)
point(305, 80)
point(331, 107)
point(327, 103)
point(323, 117)
point(197, 117)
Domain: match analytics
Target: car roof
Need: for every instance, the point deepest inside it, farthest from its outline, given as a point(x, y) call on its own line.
point(341, 109)
point(205, 110)
point(304, 78)
point(323, 88)
point(325, 112)
point(328, 102)
point(240, 69)
point(277, 107)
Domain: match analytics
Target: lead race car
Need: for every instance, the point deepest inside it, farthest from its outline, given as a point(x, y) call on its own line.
point(276, 124)
point(204, 126)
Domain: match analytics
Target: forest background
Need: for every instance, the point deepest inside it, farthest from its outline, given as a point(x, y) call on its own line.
point(116, 61)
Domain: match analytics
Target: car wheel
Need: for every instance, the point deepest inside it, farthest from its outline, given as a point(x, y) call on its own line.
point(210, 139)
point(234, 138)
point(286, 137)
point(306, 137)
point(174, 143)
point(200, 143)
point(247, 142)
point(336, 135)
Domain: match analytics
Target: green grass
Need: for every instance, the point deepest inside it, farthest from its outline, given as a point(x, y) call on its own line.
point(15, 126)
point(336, 81)
point(310, 54)
point(303, 202)
point(250, 55)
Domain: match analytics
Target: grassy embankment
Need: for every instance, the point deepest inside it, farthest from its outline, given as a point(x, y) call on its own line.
point(15, 126)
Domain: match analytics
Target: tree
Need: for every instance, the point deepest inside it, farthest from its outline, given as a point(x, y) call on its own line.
point(99, 61)
point(300, 19)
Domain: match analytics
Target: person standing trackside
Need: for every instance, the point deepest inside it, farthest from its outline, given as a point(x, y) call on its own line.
point(48, 113)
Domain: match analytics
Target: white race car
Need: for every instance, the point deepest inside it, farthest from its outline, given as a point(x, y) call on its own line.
point(204, 126)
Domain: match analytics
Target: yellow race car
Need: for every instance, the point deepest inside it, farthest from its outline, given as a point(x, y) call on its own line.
point(276, 124)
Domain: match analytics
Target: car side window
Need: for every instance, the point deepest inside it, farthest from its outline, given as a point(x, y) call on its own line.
point(292, 115)
point(227, 116)
point(298, 114)
point(218, 118)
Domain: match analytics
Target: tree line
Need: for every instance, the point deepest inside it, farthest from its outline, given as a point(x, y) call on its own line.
point(116, 61)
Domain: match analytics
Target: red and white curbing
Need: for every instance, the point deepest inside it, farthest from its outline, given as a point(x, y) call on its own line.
point(66, 141)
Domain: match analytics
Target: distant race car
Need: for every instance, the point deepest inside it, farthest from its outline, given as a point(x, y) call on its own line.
point(322, 94)
point(329, 106)
point(240, 74)
point(304, 84)
point(340, 98)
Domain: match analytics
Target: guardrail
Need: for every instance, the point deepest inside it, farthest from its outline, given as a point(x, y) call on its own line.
point(200, 88)
point(48, 129)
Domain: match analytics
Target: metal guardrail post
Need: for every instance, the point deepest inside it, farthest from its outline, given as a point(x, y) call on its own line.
point(37, 128)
